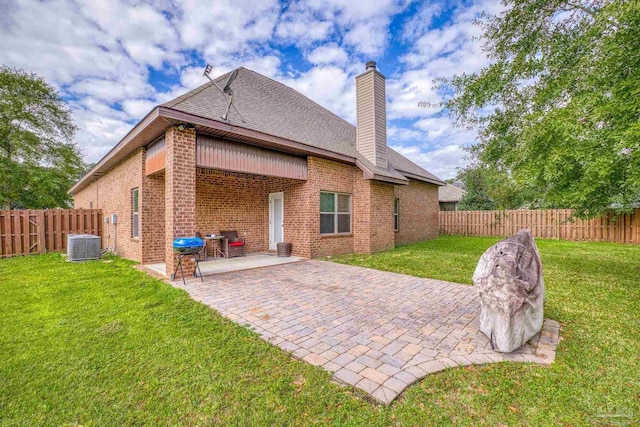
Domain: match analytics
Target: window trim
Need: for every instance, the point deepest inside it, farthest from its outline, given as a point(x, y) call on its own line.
point(396, 214)
point(135, 213)
point(336, 213)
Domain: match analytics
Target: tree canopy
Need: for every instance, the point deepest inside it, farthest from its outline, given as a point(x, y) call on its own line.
point(38, 159)
point(476, 196)
point(558, 109)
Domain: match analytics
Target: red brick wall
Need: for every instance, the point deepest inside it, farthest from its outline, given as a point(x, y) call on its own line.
point(382, 235)
point(112, 193)
point(152, 216)
point(373, 217)
point(327, 175)
point(362, 216)
point(230, 201)
point(418, 211)
point(296, 219)
point(180, 192)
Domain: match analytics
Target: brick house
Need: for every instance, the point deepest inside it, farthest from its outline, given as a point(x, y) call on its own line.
point(278, 168)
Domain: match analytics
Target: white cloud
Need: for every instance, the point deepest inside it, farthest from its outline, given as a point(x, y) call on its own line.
point(330, 86)
point(226, 26)
point(105, 56)
point(408, 91)
point(98, 133)
point(368, 38)
point(442, 162)
point(145, 34)
point(421, 21)
point(435, 144)
point(396, 134)
point(127, 86)
point(363, 26)
point(452, 48)
point(302, 26)
point(138, 108)
point(328, 54)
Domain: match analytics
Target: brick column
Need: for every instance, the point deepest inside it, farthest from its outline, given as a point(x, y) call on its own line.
point(361, 216)
point(152, 229)
point(180, 194)
point(382, 233)
point(372, 216)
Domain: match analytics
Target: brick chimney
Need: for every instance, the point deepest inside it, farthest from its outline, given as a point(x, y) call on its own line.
point(371, 116)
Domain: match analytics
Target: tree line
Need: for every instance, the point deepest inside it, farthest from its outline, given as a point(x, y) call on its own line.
point(558, 109)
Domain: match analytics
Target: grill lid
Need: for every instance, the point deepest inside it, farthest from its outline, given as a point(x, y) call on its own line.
point(187, 242)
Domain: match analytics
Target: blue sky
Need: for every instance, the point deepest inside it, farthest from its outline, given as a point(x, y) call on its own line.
point(114, 60)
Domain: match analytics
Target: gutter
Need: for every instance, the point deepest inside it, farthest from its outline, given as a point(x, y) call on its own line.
point(369, 174)
point(422, 178)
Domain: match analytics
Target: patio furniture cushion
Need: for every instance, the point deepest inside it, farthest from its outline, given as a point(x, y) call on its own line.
point(234, 244)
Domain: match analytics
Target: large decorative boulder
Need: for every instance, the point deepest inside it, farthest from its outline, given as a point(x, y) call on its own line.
point(509, 279)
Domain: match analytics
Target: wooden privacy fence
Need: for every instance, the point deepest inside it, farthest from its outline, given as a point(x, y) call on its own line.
point(544, 224)
point(27, 232)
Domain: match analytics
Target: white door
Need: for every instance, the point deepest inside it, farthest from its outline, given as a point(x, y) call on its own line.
point(276, 219)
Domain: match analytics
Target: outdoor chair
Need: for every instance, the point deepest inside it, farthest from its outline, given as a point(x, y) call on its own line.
point(233, 245)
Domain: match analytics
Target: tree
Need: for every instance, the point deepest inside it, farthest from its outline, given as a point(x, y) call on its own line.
point(476, 196)
point(38, 159)
point(563, 95)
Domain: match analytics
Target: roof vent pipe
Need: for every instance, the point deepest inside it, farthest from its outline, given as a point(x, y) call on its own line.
point(371, 65)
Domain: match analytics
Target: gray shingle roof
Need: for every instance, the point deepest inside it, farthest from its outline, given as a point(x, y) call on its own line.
point(450, 193)
point(271, 107)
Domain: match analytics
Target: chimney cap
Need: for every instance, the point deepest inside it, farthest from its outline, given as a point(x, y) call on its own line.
point(371, 65)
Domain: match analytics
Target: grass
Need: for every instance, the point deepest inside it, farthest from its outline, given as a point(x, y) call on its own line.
point(100, 343)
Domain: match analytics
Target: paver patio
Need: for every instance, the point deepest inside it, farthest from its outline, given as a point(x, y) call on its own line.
point(375, 330)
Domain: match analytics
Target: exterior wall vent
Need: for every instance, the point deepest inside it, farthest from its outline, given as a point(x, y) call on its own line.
point(82, 247)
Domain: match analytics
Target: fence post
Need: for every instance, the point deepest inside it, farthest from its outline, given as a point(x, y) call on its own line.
point(466, 216)
point(42, 246)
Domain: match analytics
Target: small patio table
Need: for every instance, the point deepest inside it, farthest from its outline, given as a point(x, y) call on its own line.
point(217, 245)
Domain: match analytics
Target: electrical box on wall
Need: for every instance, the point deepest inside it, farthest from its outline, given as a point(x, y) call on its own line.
point(106, 219)
point(114, 219)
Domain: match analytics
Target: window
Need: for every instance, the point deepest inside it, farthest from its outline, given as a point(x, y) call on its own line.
point(396, 215)
point(335, 213)
point(134, 213)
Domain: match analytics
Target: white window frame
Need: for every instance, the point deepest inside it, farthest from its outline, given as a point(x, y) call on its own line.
point(135, 213)
point(336, 213)
point(396, 214)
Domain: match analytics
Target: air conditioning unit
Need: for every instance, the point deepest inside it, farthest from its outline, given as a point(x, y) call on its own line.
point(81, 247)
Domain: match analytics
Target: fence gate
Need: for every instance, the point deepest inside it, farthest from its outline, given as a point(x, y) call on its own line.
point(25, 232)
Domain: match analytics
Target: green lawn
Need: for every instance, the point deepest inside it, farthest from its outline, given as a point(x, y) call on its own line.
point(100, 343)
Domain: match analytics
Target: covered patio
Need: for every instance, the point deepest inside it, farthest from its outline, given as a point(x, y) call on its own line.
point(234, 187)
